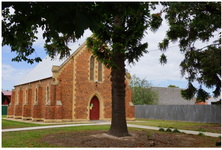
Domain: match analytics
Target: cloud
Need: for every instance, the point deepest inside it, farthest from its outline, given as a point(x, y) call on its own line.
point(150, 67)
point(7, 71)
point(11, 75)
point(39, 43)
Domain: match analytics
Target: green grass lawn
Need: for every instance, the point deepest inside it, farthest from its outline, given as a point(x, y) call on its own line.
point(178, 124)
point(8, 124)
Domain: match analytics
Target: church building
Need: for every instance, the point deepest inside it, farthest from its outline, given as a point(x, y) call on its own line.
point(77, 88)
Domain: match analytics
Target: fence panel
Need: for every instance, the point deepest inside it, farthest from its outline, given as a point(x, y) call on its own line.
point(194, 113)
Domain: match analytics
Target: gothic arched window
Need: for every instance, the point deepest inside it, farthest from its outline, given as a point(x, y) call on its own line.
point(91, 68)
point(100, 71)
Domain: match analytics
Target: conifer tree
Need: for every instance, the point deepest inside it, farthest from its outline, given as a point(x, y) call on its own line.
point(121, 26)
point(188, 23)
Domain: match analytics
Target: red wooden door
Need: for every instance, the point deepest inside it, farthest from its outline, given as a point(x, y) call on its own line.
point(94, 108)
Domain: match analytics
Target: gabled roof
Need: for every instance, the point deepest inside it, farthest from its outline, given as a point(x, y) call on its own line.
point(43, 69)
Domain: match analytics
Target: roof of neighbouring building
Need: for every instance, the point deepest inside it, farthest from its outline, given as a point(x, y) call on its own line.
point(7, 93)
point(213, 99)
point(171, 96)
point(43, 69)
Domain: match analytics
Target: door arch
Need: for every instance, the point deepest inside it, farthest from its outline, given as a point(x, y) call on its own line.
point(94, 108)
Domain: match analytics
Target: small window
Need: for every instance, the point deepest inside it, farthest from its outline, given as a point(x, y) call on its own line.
point(92, 68)
point(99, 71)
point(47, 98)
point(36, 93)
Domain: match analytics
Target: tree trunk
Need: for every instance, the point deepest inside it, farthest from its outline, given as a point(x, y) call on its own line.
point(118, 122)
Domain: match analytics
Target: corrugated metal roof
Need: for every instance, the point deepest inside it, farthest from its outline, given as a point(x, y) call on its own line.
point(7, 92)
point(43, 69)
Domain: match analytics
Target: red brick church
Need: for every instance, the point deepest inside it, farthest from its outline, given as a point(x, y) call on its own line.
point(76, 88)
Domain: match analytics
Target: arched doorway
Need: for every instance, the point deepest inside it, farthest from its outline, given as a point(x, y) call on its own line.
point(94, 108)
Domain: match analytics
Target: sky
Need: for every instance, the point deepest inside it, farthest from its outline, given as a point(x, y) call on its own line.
point(147, 67)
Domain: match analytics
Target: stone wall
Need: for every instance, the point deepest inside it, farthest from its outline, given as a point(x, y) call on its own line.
point(193, 113)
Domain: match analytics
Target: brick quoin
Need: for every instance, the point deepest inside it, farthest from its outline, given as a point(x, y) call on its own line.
point(70, 93)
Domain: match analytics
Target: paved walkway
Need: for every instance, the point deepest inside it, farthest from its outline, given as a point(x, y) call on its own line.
point(107, 123)
point(185, 131)
point(53, 126)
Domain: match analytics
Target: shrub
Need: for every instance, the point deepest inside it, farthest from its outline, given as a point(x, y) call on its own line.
point(161, 129)
point(176, 131)
point(168, 130)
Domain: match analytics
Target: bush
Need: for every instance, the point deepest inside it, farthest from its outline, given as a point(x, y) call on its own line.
point(161, 129)
point(168, 130)
point(176, 131)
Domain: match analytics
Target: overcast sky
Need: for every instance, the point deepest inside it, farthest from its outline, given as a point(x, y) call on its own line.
point(148, 66)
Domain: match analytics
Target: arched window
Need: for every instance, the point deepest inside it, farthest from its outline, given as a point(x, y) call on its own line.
point(99, 71)
point(92, 68)
point(36, 93)
point(47, 98)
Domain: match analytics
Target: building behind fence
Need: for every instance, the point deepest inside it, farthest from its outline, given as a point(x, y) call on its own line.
point(172, 96)
point(193, 113)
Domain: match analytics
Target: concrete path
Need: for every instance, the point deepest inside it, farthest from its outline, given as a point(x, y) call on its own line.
point(108, 123)
point(185, 131)
point(54, 126)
